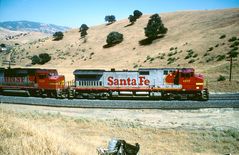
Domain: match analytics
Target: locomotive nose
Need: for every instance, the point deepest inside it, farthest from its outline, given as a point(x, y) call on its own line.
point(58, 79)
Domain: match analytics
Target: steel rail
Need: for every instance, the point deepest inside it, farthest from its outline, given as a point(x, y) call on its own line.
point(226, 101)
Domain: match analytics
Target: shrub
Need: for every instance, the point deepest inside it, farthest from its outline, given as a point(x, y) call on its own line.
point(135, 66)
point(210, 49)
point(3, 45)
point(44, 57)
point(58, 35)
point(206, 54)
point(170, 54)
point(222, 36)
point(195, 55)
point(114, 38)
point(190, 52)
point(209, 59)
point(233, 133)
point(148, 57)
point(221, 78)
point(155, 27)
point(41, 59)
point(35, 60)
point(191, 61)
point(187, 57)
point(221, 57)
point(233, 53)
point(171, 60)
point(151, 59)
point(234, 44)
point(171, 49)
point(232, 39)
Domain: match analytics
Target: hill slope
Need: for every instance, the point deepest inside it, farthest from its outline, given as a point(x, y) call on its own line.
point(10, 37)
point(32, 26)
point(195, 31)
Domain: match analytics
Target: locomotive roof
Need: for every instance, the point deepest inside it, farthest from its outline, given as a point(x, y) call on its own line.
point(88, 72)
point(163, 68)
point(24, 70)
point(101, 71)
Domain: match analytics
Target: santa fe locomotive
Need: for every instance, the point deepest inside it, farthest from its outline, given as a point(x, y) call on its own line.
point(155, 83)
point(32, 81)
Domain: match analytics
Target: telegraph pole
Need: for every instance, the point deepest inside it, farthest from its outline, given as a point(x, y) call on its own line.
point(230, 76)
point(232, 54)
point(6, 62)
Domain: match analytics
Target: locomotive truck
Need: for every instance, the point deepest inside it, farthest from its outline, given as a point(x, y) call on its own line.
point(156, 83)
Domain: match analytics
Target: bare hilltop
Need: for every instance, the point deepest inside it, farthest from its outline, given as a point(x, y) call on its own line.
point(205, 34)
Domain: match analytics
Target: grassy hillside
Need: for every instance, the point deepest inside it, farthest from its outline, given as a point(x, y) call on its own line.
point(195, 31)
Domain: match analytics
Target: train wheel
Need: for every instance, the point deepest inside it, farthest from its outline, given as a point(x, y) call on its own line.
point(167, 96)
point(205, 95)
point(104, 96)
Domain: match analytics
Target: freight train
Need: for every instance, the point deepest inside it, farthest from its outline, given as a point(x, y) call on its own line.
point(152, 83)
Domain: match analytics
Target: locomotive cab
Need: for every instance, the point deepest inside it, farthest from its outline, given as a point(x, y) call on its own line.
point(50, 83)
point(189, 80)
point(191, 84)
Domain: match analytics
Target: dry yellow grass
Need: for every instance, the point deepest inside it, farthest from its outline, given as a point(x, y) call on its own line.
point(197, 30)
point(38, 133)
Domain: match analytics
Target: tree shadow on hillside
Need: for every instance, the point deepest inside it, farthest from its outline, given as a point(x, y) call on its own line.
point(111, 45)
point(130, 24)
point(108, 45)
point(148, 41)
point(56, 39)
point(109, 23)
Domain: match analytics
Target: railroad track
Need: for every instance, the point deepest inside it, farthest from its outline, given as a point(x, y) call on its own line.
point(215, 101)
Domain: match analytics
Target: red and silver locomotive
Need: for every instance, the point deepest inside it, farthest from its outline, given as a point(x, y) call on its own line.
point(164, 83)
point(32, 81)
point(157, 83)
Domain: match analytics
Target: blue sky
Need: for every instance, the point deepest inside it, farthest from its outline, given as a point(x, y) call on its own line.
point(73, 13)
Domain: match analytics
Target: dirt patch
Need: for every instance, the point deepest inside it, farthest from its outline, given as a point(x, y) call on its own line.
point(185, 119)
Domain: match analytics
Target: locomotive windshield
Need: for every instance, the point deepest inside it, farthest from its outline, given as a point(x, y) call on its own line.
point(52, 74)
point(187, 73)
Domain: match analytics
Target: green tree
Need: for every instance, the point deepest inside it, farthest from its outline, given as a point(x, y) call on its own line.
point(83, 30)
point(3, 45)
point(114, 38)
point(58, 35)
point(132, 19)
point(35, 60)
point(137, 14)
point(155, 27)
point(44, 57)
point(110, 18)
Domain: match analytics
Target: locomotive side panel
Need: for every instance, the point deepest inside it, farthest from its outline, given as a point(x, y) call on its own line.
point(18, 77)
point(121, 79)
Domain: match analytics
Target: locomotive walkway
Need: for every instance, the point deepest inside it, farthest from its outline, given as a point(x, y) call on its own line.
point(215, 101)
